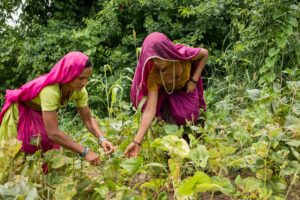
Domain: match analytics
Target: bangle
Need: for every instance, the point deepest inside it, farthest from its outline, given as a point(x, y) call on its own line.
point(139, 144)
point(191, 79)
point(100, 139)
point(85, 152)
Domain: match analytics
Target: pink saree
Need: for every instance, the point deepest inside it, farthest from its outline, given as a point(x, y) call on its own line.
point(183, 106)
point(30, 125)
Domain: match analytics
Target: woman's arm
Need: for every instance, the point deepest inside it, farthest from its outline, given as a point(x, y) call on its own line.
point(202, 59)
point(57, 136)
point(89, 121)
point(92, 126)
point(149, 113)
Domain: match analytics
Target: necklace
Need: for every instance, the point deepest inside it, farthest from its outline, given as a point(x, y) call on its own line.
point(65, 95)
point(169, 92)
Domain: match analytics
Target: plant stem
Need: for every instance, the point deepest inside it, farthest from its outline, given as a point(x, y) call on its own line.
point(292, 183)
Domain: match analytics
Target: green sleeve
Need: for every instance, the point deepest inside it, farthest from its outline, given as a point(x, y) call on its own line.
point(81, 98)
point(50, 97)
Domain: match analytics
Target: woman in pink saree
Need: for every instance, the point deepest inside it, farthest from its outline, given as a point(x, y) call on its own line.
point(30, 112)
point(169, 75)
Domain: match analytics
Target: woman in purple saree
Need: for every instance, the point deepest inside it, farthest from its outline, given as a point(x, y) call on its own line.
point(169, 75)
point(30, 112)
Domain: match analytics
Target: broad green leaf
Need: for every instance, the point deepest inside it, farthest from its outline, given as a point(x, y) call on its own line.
point(225, 185)
point(278, 197)
point(213, 153)
point(288, 29)
point(293, 85)
point(228, 151)
point(188, 186)
point(296, 109)
point(295, 7)
point(66, 190)
point(197, 129)
point(132, 165)
point(277, 183)
point(274, 131)
point(264, 68)
point(88, 52)
point(264, 174)
point(248, 185)
point(238, 47)
point(236, 161)
point(162, 196)
point(199, 155)
point(281, 41)
point(261, 148)
point(10, 148)
point(296, 154)
point(270, 61)
point(267, 78)
point(174, 145)
point(18, 188)
point(172, 129)
point(293, 21)
point(278, 156)
point(153, 184)
point(58, 161)
point(102, 191)
point(193, 141)
point(293, 124)
point(291, 120)
point(294, 143)
point(205, 187)
point(238, 180)
point(272, 52)
point(254, 93)
point(290, 169)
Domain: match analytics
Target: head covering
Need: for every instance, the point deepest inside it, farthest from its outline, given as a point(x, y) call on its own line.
point(65, 71)
point(156, 45)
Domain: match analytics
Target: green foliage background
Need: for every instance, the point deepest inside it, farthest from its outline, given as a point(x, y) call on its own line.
point(251, 78)
point(251, 42)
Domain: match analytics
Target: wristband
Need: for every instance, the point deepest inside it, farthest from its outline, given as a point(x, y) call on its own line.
point(191, 79)
point(139, 144)
point(100, 139)
point(85, 152)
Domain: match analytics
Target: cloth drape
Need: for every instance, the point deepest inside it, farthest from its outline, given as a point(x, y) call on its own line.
point(30, 125)
point(158, 45)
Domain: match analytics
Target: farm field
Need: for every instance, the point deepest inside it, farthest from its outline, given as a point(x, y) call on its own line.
point(249, 147)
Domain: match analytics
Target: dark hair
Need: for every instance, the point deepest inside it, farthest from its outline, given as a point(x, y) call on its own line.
point(88, 64)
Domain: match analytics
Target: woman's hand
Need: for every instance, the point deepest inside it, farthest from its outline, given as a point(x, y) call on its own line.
point(191, 86)
point(132, 150)
point(108, 147)
point(92, 158)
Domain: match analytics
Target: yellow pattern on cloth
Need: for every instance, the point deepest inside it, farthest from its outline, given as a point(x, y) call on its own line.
point(48, 99)
point(154, 79)
point(8, 128)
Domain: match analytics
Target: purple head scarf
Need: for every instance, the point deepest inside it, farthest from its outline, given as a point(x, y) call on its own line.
point(156, 45)
point(66, 70)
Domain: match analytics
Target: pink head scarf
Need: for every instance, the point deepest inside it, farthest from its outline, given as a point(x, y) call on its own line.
point(156, 45)
point(66, 70)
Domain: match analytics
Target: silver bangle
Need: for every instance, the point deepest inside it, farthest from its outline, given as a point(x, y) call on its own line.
point(100, 139)
point(84, 153)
